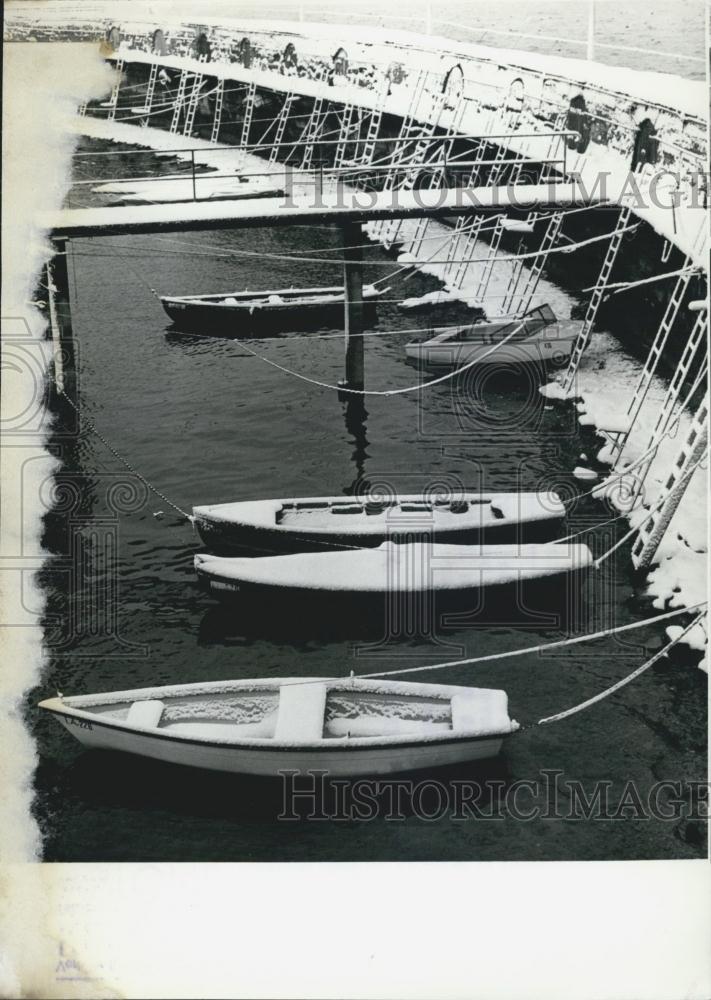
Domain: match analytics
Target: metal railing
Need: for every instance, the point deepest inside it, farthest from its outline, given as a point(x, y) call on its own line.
point(453, 166)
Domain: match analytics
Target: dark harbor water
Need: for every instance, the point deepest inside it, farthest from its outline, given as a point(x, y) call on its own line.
point(205, 422)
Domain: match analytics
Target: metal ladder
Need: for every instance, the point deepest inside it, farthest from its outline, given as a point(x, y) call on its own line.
point(485, 277)
point(421, 135)
point(248, 113)
point(313, 128)
point(438, 174)
point(461, 226)
point(534, 272)
point(113, 100)
point(350, 125)
point(219, 103)
point(497, 167)
point(475, 167)
point(583, 338)
point(282, 119)
point(472, 232)
point(179, 100)
point(696, 339)
point(150, 93)
point(193, 102)
point(455, 271)
point(407, 126)
point(692, 451)
point(650, 365)
point(516, 271)
point(556, 140)
point(367, 154)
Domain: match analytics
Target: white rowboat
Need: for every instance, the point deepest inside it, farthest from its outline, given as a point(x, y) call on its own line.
point(345, 727)
point(392, 568)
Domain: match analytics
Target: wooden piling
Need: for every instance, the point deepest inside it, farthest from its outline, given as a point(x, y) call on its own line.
point(353, 307)
point(61, 320)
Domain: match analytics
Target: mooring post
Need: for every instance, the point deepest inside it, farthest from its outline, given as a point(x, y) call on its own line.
point(353, 307)
point(61, 320)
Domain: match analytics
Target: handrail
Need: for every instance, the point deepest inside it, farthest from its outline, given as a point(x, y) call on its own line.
point(567, 133)
point(317, 173)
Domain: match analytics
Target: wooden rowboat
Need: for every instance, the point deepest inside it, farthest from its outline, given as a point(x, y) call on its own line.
point(241, 314)
point(392, 568)
point(317, 522)
point(345, 727)
point(541, 340)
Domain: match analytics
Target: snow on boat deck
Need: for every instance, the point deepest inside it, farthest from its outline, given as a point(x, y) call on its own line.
point(412, 567)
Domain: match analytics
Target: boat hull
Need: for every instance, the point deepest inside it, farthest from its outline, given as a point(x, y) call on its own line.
point(267, 762)
point(549, 353)
point(206, 318)
point(319, 524)
point(409, 594)
point(343, 726)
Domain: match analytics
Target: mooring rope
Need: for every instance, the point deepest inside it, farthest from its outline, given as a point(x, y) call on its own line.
point(542, 647)
point(656, 506)
point(623, 286)
point(385, 392)
point(132, 469)
point(300, 256)
point(621, 683)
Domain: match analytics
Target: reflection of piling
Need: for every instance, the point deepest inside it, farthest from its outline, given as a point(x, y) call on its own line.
point(61, 321)
point(353, 309)
point(355, 415)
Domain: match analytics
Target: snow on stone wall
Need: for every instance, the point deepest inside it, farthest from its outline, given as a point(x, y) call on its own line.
point(626, 119)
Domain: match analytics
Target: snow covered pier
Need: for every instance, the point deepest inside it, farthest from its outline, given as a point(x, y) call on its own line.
point(340, 207)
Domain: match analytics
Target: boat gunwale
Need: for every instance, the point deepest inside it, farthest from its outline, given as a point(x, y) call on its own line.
point(557, 511)
point(327, 744)
point(292, 296)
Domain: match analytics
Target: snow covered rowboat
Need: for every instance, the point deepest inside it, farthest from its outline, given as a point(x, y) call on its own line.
point(313, 522)
point(344, 726)
point(541, 339)
point(390, 568)
point(242, 313)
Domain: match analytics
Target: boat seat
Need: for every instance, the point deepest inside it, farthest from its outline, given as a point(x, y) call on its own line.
point(145, 713)
point(301, 712)
point(482, 711)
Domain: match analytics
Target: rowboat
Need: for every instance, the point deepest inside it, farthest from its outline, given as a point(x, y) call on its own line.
point(539, 338)
point(391, 568)
point(244, 313)
point(345, 726)
point(317, 522)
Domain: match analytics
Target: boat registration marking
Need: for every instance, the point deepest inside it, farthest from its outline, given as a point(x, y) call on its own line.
point(71, 720)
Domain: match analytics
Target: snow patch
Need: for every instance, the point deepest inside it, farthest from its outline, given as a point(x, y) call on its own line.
point(582, 473)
